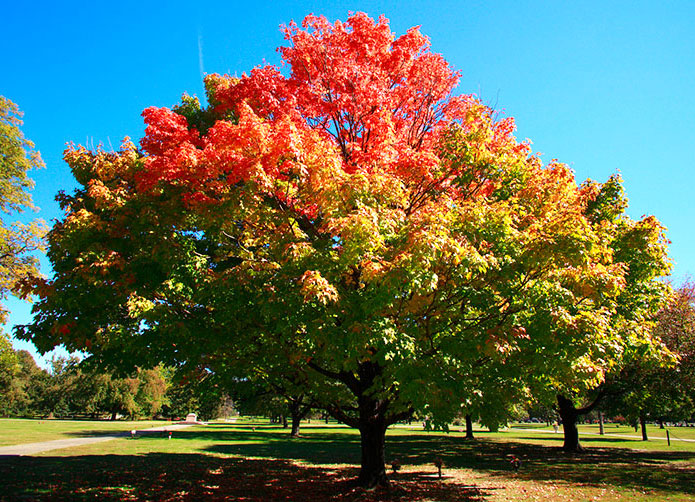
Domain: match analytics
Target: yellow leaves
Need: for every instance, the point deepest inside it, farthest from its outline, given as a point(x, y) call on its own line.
point(137, 306)
point(360, 231)
point(594, 280)
point(105, 198)
point(107, 167)
point(314, 287)
point(371, 270)
point(298, 251)
point(82, 219)
point(588, 371)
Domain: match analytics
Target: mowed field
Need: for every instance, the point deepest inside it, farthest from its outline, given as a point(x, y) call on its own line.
point(18, 431)
point(253, 460)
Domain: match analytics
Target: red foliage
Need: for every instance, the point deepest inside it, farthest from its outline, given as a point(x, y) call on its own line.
point(382, 102)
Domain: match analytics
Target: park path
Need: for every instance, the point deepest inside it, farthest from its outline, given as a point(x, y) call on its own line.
point(56, 444)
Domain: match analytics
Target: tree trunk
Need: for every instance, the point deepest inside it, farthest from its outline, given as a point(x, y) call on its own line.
point(373, 466)
point(296, 419)
point(643, 424)
point(295, 427)
point(600, 423)
point(469, 426)
point(373, 418)
point(569, 414)
point(298, 410)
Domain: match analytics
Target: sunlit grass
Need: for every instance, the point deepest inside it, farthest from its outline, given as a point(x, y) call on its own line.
point(21, 431)
point(255, 460)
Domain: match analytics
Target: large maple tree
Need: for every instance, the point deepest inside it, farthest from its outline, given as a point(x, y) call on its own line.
point(345, 220)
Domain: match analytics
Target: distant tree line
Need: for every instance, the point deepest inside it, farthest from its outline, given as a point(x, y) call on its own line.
point(68, 390)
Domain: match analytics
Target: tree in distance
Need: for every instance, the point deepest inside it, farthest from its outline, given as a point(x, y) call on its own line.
point(353, 224)
point(629, 310)
point(645, 389)
point(17, 240)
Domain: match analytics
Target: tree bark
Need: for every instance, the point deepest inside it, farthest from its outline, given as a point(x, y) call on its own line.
point(643, 424)
point(600, 423)
point(298, 410)
point(372, 418)
point(469, 426)
point(373, 465)
point(295, 426)
point(569, 414)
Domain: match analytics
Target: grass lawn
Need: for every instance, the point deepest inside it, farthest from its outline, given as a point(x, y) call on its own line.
point(257, 461)
point(21, 431)
point(677, 434)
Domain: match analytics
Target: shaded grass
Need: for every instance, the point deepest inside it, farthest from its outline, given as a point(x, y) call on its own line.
point(21, 431)
point(256, 461)
point(158, 476)
point(653, 431)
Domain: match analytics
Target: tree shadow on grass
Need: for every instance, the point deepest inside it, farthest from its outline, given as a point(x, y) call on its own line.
point(669, 471)
point(184, 477)
point(621, 467)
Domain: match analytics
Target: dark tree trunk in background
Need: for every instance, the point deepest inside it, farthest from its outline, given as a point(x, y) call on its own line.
point(469, 426)
point(600, 423)
point(568, 414)
point(295, 426)
point(298, 410)
point(643, 424)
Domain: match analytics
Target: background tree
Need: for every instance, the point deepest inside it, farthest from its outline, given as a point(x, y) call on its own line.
point(17, 241)
point(676, 329)
point(662, 390)
point(353, 224)
point(618, 308)
point(59, 389)
point(9, 370)
point(199, 394)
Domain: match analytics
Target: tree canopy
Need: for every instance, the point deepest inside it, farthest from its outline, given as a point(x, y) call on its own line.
point(17, 240)
point(354, 224)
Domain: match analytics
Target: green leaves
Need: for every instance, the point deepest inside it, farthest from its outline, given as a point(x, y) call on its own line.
point(375, 239)
point(18, 241)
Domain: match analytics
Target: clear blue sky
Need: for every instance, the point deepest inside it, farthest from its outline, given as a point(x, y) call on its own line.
point(602, 86)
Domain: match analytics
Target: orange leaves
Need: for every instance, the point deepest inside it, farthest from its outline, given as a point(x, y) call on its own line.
point(315, 287)
point(358, 102)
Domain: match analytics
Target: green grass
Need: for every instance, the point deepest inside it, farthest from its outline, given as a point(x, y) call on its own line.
point(252, 460)
point(611, 430)
point(21, 431)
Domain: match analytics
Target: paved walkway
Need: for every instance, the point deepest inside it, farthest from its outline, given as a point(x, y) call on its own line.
point(32, 448)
